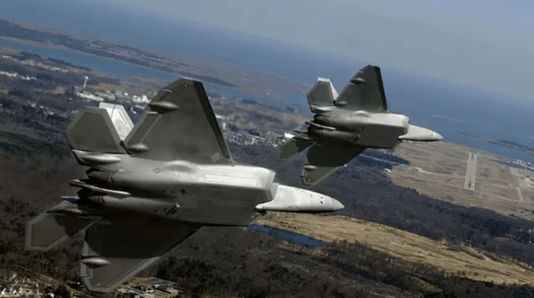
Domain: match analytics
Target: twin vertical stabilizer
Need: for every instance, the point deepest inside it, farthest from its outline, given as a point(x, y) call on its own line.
point(99, 129)
point(321, 97)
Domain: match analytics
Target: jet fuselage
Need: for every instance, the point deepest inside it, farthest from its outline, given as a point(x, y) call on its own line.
point(372, 130)
point(211, 194)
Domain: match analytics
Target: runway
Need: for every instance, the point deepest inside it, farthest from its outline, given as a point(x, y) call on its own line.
point(471, 173)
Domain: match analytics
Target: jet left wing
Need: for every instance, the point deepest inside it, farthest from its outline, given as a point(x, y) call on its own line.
point(364, 92)
point(55, 226)
point(115, 251)
point(322, 160)
point(293, 146)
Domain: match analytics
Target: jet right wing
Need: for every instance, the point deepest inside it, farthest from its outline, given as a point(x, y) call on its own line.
point(322, 160)
point(113, 252)
point(364, 92)
point(179, 124)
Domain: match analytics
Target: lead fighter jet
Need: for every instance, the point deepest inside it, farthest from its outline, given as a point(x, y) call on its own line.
point(345, 125)
point(152, 185)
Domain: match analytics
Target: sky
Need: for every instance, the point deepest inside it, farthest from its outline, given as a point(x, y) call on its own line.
point(487, 44)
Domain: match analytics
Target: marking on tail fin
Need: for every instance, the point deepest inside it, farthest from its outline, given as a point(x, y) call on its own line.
point(121, 121)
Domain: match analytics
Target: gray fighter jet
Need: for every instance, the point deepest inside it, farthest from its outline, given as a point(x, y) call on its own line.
point(345, 125)
point(152, 185)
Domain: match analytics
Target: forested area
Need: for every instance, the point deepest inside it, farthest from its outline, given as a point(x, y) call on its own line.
point(367, 193)
point(35, 170)
point(231, 261)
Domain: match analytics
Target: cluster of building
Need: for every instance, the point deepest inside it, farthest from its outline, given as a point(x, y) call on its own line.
point(16, 76)
point(25, 287)
point(245, 138)
point(151, 287)
point(523, 164)
point(232, 135)
point(136, 104)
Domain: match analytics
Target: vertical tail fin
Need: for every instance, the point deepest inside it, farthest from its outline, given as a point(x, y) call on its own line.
point(321, 97)
point(99, 129)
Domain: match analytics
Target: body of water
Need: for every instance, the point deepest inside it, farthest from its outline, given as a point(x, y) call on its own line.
point(124, 70)
point(287, 235)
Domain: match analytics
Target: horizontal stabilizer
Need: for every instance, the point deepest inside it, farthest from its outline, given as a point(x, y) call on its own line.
point(291, 147)
point(48, 230)
point(323, 160)
point(92, 130)
point(119, 117)
point(322, 95)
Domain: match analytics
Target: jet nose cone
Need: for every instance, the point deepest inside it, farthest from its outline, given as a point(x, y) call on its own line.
point(336, 205)
point(420, 134)
point(435, 136)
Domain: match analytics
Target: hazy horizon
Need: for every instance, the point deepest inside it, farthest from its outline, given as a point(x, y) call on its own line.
point(483, 46)
point(422, 97)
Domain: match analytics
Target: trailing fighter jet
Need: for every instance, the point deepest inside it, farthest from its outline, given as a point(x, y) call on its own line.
point(152, 185)
point(345, 124)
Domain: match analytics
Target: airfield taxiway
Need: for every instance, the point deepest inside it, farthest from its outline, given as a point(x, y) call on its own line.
point(471, 173)
point(443, 170)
